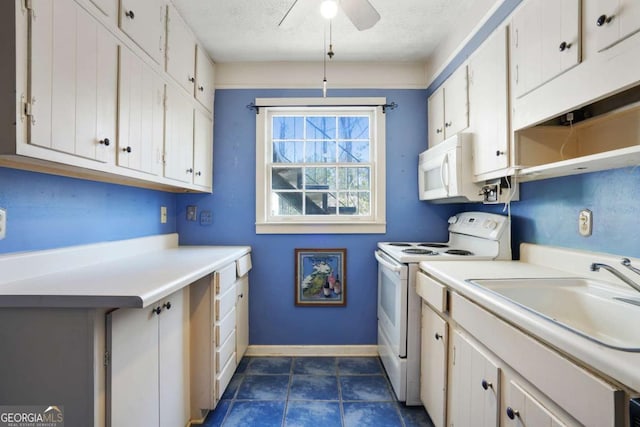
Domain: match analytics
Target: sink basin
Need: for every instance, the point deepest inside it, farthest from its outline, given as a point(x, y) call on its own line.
point(586, 307)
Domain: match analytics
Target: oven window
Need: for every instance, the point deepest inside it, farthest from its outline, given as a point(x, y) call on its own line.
point(388, 297)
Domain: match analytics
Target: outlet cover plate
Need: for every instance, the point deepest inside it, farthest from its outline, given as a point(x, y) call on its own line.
point(3, 223)
point(585, 222)
point(192, 213)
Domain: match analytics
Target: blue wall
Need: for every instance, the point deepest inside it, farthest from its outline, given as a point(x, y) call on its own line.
point(47, 211)
point(274, 318)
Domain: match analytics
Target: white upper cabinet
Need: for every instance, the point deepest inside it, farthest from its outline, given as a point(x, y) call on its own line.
point(616, 20)
point(178, 143)
point(108, 7)
point(545, 42)
point(488, 104)
point(448, 108)
point(202, 150)
point(205, 78)
point(140, 115)
point(143, 21)
point(181, 51)
point(73, 81)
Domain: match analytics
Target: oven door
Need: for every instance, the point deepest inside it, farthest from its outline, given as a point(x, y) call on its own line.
point(392, 302)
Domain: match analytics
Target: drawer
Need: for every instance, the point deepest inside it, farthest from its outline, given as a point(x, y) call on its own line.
point(243, 265)
point(432, 292)
point(225, 327)
point(242, 285)
point(588, 398)
point(225, 351)
point(224, 377)
point(225, 302)
point(224, 278)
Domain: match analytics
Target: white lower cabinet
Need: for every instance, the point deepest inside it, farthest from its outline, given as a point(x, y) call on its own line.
point(147, 376)
point(522, 409)
point(433, 372)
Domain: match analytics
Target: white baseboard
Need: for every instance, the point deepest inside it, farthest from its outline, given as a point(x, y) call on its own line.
point(312, 350)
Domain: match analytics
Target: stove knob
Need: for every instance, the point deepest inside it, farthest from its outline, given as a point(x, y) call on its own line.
point(490, 224)
point(453, 219)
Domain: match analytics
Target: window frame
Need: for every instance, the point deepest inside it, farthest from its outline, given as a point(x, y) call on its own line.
point(321, 224)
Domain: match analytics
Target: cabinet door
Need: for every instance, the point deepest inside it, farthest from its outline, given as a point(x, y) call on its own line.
point(456, 103)
point(107, 7)
point(433, 368)
point(560, 37)
point(181, 50)
point(488, 104)
point(205, 79)
point(523, 410)
point(203, 150)
point(140, 115)
point(526, 47)
point(143, 22)
point(474, 395)
point(435, 117)
point(242, 317)
point(132, 377)
point(173, 353)
point(616, 20)
point(73, 81)
point(178, 143)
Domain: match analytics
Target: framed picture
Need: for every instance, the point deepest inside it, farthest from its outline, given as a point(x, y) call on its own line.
point(321, 277)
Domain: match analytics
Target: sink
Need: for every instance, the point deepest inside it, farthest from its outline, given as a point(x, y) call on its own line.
point(586, 307)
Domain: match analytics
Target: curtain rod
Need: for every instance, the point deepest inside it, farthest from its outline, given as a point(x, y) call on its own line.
point(385, 107)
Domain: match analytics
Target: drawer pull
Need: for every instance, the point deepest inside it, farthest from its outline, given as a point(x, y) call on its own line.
point(201, 88)
point(130, 14)
point(127, 149)
point(564, 46)
point(603, 19)
point(105, 142)
point(156, 310)
point(167, 305)
point(512, 413)
point(486, 385)
point(438, 336)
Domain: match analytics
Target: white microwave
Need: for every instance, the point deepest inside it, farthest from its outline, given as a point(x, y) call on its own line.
point(445, 172)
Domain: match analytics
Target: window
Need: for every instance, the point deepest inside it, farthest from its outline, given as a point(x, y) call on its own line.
point(320, 168)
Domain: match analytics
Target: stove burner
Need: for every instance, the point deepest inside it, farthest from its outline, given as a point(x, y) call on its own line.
point(434, 245)
point(418, 251)
point(399, 244)
point(462, 252)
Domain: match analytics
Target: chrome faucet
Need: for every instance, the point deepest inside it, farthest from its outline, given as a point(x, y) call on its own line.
point(627, 263)
point(596, 266)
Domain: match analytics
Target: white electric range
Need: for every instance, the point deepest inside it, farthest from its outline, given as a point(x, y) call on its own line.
point(472, 236)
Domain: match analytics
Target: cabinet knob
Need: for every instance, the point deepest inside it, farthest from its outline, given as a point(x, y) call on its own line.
point(486, 385)
point(564, 46)
point(439, 130)
point(191, 79)
point(201, 88)
point(438, 336)
point(129, 14)
point(190, 170)
point(448, 124)
point(127, 149)
point(603, 19)
point(241, 296)
point(167, 305)
point(512, 413)
point(499, 153)
point(198, 173)
point(105, 142)
point(156, 310)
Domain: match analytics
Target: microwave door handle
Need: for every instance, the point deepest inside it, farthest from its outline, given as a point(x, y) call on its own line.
point(393, 267)
point(444, 177)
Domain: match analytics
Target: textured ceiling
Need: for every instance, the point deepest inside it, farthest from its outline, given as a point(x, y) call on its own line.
point(247, 30)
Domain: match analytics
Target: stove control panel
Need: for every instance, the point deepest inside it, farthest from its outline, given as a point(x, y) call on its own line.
point(479, 224)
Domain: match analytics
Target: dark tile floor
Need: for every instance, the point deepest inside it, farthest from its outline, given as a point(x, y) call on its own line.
point(312, 392)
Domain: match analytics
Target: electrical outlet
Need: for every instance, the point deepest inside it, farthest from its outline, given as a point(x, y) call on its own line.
point(585, 222)
point(192, 213)
point(163, 214)
point(3, 223)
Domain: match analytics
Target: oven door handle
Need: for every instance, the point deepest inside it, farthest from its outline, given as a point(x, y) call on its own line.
point(387, 264)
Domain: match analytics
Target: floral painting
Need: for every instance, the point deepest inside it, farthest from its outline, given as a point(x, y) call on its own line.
point(320, 277)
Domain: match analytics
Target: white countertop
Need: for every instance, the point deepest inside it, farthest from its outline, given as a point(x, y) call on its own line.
point(621, 366)
point(132, 273)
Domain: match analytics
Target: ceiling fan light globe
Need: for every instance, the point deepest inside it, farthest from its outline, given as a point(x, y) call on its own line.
point(329, 9)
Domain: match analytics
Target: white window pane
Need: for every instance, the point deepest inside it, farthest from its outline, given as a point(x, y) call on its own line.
point(354, 178)
point(287, 127)
point(353, 151)
point(288, 152)
point(286, 203)
point(355, 203)
point(353, 127)
point(286, 178)
point(321, 203)
point(320, 178)
point(321, 127)
point(321, 152)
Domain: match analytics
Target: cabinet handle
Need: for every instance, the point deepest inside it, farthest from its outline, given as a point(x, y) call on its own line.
point(564, 46)
point(438, 336)
point(190, 170)
point(241, 296)
point(201, 88)
point(156, 310)
point(439, 130)
point(130, 14)
point(191, 79)
point(198, 173)
point(486, 385)
point(127, 149)
point(512, 413)
point(448, 124)
point(105, 142)
point(603, 19)
point(167, 305)
point(499, 153)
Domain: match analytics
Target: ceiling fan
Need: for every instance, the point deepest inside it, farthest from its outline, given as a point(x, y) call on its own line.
point(360, 12)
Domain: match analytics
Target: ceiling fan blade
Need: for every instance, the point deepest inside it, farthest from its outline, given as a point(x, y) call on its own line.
point(287, 12)
point(361, 13)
